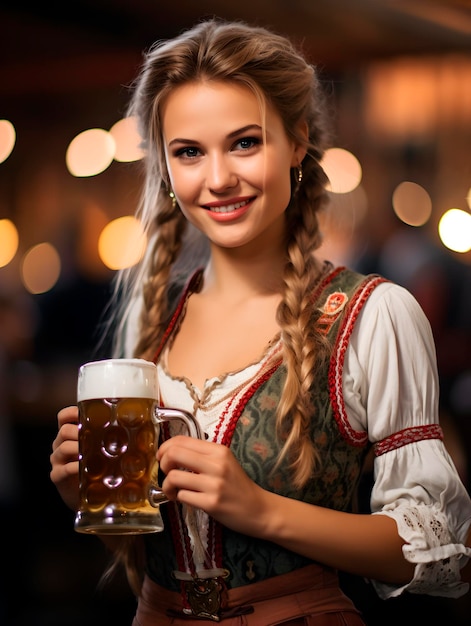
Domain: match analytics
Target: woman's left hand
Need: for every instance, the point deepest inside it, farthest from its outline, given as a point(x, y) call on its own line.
point(208, 476)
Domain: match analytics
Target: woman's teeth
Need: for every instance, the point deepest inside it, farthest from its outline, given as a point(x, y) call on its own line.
point(228, 208)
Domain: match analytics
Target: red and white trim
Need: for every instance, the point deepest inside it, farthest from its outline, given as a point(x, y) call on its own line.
point(337, 361)
point(406, 436)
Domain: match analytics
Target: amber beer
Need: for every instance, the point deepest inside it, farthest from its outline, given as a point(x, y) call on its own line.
point(119, 414)
point(117, 400)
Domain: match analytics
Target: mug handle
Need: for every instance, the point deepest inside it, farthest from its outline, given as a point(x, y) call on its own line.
point(162, 414)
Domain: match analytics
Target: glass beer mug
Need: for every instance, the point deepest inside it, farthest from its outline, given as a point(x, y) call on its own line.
point(119, 418)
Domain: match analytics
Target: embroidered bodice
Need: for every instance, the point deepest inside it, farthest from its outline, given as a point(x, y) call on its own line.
point(239, 410)
point(356, 404)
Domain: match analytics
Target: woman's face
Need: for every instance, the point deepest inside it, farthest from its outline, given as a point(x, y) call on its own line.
point(229, 169)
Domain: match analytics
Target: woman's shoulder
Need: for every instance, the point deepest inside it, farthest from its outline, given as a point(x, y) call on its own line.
point(373, 305)
point(395, 298)
point(379, 290)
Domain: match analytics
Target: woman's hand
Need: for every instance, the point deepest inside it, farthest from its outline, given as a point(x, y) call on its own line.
point(208, 476)
point(65, 455)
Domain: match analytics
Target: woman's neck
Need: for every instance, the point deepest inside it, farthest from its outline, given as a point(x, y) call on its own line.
point(241, 274)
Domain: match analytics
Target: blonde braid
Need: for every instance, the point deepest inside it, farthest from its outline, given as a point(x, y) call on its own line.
point(165, 250)
point(304, 350)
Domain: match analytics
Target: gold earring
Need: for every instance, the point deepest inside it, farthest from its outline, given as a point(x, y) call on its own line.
point(300, 174)
point(174, 200)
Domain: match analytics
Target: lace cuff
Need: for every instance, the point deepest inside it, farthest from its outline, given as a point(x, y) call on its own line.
point(430, 546)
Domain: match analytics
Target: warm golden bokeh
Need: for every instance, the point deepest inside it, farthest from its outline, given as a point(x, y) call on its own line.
point(343, 170)
point(7, 139)
point(8, 241)
point(122, 243)
point(127, 140)
point(455, 230)
point(90, 152)
point(412, 203)
point(40, 268)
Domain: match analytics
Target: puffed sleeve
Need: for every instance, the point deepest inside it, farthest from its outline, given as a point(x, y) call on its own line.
point(390, 386)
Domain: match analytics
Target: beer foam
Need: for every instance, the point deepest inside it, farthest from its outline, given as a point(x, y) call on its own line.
point(117, 378)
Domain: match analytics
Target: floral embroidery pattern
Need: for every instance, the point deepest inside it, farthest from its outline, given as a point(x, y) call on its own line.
point(332, 308)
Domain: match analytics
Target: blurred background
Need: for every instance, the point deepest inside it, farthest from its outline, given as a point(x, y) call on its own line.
point(399, 76)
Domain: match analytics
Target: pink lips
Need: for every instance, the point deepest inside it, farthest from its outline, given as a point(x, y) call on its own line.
point(228, 215)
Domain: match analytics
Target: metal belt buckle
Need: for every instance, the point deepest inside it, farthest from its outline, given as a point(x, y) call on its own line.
point(206, 597)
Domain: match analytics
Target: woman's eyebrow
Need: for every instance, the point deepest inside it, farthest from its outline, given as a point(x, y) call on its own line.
point(235, 133)
point(244, 129)
point(189, 142)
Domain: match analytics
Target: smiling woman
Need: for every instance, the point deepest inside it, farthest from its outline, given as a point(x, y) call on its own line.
point(228, 159)
point(293, 368)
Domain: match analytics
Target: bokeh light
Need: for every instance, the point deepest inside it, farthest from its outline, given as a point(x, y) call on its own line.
point(127, 140)
point(40, 268)
point(454, 230)
point(340, 224)
point(93, 219)
point(412, 203)
point(8, 241)
point(122, 243)
point(343, 170)
point(7, 139)
point(90, 152)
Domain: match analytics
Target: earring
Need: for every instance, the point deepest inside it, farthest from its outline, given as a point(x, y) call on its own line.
point(173, 198)
point(300, 174)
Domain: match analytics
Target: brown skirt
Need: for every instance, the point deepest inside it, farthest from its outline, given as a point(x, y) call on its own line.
point(310, 596)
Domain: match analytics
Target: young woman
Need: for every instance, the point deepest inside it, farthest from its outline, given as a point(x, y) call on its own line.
point(294, 368)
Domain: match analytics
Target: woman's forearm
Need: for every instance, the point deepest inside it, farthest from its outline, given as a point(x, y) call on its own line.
point(366, 545)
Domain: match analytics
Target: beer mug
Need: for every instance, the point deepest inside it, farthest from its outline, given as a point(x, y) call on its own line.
point(119, 417)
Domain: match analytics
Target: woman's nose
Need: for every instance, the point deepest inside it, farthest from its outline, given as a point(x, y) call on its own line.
point(220, 174)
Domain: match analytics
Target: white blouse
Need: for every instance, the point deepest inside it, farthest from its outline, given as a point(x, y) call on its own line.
point(390, 382)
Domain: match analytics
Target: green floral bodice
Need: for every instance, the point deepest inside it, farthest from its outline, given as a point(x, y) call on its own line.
point(249, 430)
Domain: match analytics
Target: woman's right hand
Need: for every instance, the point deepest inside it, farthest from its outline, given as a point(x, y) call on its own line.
point(65, 457)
